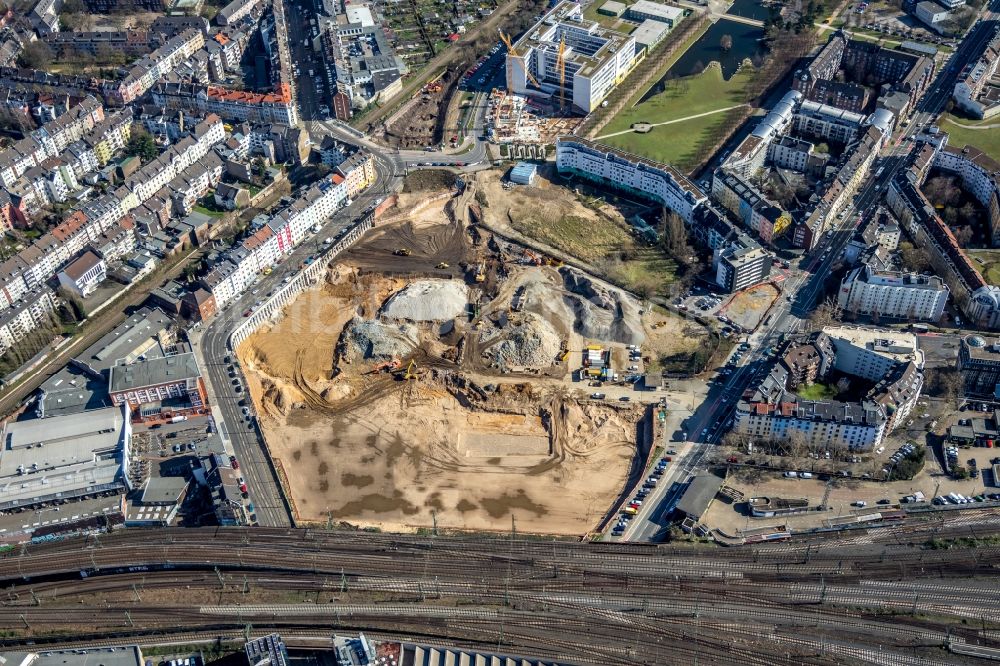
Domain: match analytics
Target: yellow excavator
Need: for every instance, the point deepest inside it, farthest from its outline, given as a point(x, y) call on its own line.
point(410, 372)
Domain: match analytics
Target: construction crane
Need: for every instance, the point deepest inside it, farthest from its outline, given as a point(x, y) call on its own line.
point(561, 66)
point(510, 75)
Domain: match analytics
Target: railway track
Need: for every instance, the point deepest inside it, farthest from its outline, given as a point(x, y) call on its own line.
point(582, 603)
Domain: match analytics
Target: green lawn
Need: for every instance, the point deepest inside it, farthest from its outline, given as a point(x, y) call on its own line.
point(677, 143)
point(816, 392)
point(590, 14)
point(987, 262)
point(987, 140)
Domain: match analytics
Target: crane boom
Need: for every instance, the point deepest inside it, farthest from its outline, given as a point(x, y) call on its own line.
point(561, 64)
point(510, 76)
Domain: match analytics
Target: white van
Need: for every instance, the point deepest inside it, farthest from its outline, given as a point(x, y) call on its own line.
point(805, 475)
point(791, 475)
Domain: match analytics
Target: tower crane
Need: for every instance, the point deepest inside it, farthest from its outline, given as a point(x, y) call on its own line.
point(512, 52)
point(561, 66)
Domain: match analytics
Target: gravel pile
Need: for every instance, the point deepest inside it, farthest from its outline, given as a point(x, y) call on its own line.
point(601, 313)
point(427, 300)
point(533, 344)
point(376, 340)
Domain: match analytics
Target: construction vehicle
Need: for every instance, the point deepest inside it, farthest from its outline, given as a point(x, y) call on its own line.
point(410, 372)
point(442, 265)
point(388, 366)
point(481, 272)
point(402, 252)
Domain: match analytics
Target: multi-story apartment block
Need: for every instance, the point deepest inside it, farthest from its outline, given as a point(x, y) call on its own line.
point(358, 171)
point(773, 412)
point(631, 173)
point(981, 301)
point(236, 10)
point(980, 176)
point(893, 294)
point(595, 59)
point(274, 107)
point(34, 309)
point(145, 72)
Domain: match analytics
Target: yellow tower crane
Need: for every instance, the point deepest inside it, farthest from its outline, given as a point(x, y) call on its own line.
point(524, 64)
point(561, 65)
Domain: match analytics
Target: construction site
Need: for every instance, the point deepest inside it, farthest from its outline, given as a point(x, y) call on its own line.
point(435, 379)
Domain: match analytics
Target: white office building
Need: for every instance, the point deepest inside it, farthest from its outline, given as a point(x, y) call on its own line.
point(893, 294)
point(595, 59)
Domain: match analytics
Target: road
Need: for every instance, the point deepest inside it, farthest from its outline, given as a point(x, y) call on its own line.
point(242, 434)
point(803, 289)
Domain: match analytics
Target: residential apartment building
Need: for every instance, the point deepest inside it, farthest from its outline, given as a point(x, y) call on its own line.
point(241, 106)
point(145, 72)
point(981, 300)
point(34, 309)
point(973, 81)
point(893, 294)
point(629, 173)
point(980, 175)
point(237, 268)
point(772, 412)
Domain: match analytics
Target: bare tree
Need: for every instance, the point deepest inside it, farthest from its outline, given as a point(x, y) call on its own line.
point(826, 313)
point(726, 43)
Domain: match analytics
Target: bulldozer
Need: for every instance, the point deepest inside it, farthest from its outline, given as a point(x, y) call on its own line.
point(402, 252)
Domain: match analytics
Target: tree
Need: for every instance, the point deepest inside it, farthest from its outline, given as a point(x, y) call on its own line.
point(826, 313)
point(674, 236)
point(915, 259)
point(141, 143)
point(726, 43)
point(945, 383)
point(964, 235)
point(36, 55)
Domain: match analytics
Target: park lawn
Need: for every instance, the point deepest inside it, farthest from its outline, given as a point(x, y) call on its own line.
point(987, 140)
point(677, 144)
point(987, 262)
point(684, 97)
point(816, 391)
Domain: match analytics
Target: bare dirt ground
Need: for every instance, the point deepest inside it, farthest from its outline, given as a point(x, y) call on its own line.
point(844, 493)
point(747, 308)
point(462, 443)
point(415, 125)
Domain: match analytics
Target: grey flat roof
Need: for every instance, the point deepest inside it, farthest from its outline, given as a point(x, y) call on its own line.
point(128, 340)
point(153, 371)
point(71, 391)
point(121, 656)
point(62, 454)
point(163, 488)
point(699, 494)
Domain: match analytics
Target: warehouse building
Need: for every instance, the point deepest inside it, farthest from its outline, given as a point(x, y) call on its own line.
point(523, 173)
point(644, 10)
point(595, 59)
point(64, 458)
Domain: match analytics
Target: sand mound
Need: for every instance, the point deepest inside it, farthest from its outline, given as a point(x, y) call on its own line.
point(427, 300)
point(372, 339)
point(533, 344)
point(601, 313)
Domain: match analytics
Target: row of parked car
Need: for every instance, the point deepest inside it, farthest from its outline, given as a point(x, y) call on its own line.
point(633, 507)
